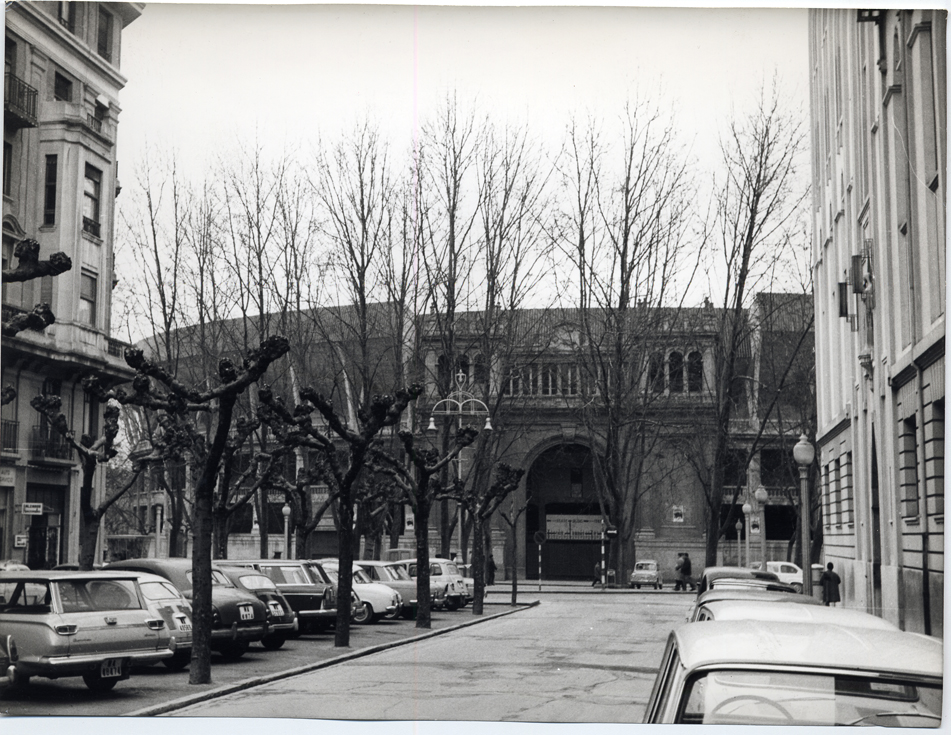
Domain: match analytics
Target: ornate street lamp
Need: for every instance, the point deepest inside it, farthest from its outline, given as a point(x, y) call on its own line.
point(460, 403)
point(762, 496)
point(747, 514)
point(286, 510)
point(804, 454)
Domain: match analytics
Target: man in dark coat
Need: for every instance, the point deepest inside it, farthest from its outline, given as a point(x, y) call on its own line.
point(686, 570)
point(490, 570)
point(830, 586)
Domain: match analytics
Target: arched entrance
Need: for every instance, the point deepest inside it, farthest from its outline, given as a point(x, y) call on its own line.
point(564, 506)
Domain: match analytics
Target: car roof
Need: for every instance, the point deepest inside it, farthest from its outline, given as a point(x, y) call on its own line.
point(755, 592)
point(825, 645)
point(795, 613)
point(58, 574)
point(738, 573)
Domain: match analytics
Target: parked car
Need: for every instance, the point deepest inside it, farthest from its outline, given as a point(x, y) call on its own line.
point(750, 593)
point(742, 577)
point(752, 672)
point(787, 572)
point(167, 602)
point(239, 618)
point(8, 660)
point(306, 587)
point(12, 565)
point(394, 575)
point(790, 612)
point(281, 618)
point(96, 625)
point(646, 573)
point(377, 600)
point(443, 574)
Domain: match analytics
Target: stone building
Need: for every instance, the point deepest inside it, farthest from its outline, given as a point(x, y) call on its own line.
point(61, 113)
point(879, 140)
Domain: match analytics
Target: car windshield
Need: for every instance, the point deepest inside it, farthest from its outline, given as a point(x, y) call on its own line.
point(451, 568)
point(159, 591)
point(645, 566)
point(257, 582)
point(83, 595)
point(794, 698)
point(360, 577)
point(397, 573)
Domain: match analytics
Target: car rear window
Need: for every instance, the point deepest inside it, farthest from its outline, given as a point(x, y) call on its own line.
point(159, 591)
point(82, 595)
point(257, 582)
point(287, 574)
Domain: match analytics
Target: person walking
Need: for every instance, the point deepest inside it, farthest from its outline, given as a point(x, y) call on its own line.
point(490, 570)
point(830, 586)
point(686, 570)
point(597, 575)
point(678, 570)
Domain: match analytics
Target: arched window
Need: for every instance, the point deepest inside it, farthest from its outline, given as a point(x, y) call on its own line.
point(655, 373)
point(675, 372)
point(694, 372)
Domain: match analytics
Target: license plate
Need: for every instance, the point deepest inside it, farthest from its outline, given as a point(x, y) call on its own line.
point(110, 668)
point(276, 609)
point(246, 612)
point(183, 624)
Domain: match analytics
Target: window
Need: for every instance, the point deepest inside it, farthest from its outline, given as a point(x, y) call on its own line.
point(655, 373)
point(7, 168)
point(549, 380)
point(62, 88)
point(480, 370)
point(92, 190)
point(908, 457)
point(87, 299)
point(104, 46)
point(694, 372)
point(49, 192)
point(569, 380)
point(675, 372)
point(66, 13)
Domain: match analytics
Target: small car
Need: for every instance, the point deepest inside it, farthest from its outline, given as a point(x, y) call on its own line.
point(646, 573)
point(751, 593)
point(787, 572)
point(305, 586)
point(377, 601)
point(754, 672)
point(96, 625)
point(788, 611)
point(281, 618)
point(740, 576)
point(239, 618)
point(394, 575)
point(451, 591)
point(8, 661)
point(12, 565)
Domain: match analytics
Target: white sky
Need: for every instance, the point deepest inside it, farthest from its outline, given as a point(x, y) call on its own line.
point(203, 76)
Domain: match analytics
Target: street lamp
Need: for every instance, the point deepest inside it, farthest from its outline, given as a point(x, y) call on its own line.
point(747, 513)
point(286, 510)
point(762, 496)
point(804, 454)
point(739, 533)
point(460, 403)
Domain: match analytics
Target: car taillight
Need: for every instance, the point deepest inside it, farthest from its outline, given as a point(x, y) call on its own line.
point(215, 617)
point(66, 629)
point(155, 623)
point(330, 599)
point(12, 649)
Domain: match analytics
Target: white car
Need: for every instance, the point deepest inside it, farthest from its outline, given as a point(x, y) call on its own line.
point(787, 572)
point(378, 600)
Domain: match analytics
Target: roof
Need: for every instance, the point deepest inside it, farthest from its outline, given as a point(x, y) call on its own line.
point(793, 612)
point(757, 642)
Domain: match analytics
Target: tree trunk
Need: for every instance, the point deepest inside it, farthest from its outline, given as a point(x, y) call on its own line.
point(89, 518)
point(478, 562)
point(424, 618)
point(261, 507)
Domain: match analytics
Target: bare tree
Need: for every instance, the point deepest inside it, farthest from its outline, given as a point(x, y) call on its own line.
point(511, 517)
point(30, 267)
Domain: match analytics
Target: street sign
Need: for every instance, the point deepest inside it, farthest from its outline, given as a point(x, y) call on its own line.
point(19, 541)
point(32, 509)
point(540, 537)
point(610, 532)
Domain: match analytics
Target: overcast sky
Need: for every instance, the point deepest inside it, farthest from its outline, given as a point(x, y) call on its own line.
point(202, 76)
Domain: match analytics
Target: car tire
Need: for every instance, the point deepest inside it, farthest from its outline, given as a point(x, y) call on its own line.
point(632, 585)
point(233, 651)
point(637, 586)
point(20, 682)
point(179, 661)
point(364, 614)
point(409, 614)
point(452, 603)
point(96, 683)
point(656, 586)
point(273, 641)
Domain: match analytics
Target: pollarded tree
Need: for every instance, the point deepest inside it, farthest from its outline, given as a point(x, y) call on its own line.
point(30, 267)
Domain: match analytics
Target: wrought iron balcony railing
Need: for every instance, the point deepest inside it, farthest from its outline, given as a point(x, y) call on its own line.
point(47, 444)
point(19, 102)
point(8, 435)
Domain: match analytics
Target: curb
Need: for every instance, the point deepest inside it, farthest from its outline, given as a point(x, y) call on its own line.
point(238, 686)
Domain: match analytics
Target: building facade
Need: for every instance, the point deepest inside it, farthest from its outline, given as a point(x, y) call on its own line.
point(879, 135)
point(61, 88)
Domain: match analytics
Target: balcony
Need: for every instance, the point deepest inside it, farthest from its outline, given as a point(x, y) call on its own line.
point(91, 226)
point(8, 435)
point(95, 123)
point(116, 348)
point(19, 103)
point(47, 444)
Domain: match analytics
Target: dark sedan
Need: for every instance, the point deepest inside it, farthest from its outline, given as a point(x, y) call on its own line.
point(239, 617)
point(281, 618)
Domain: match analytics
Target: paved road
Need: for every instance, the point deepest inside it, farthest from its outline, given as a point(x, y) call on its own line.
point(578, 658)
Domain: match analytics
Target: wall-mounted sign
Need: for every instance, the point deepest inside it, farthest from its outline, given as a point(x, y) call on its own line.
point(677, 513)
point(32, 509)
point(8, 476)
point(19, 541)
point(572, 528)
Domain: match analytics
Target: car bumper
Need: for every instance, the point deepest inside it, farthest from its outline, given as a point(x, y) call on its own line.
point(235, 633)
point(52, 667)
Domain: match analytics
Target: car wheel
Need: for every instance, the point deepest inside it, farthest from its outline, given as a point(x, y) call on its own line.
point(274, 641)
point(452, 603)
point(20, 681)
point(233, 651)
point(409, 614)
point(632, 585)
point(364, 614)
point(97, 684)
point(637, 586)
point(656, 586)
point(798, 587)
point(179, 661)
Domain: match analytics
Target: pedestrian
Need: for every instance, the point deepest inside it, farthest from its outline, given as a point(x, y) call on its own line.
point(597, 575)
point(490, 570)
point(830, 586)
point(686, 569)
point(678, 570)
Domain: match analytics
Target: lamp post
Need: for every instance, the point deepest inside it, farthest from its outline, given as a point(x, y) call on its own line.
point(747, 513)
point(460, 403)
point(762, 496)
point(804, 453)
point(286, 510)
point(739, 549)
